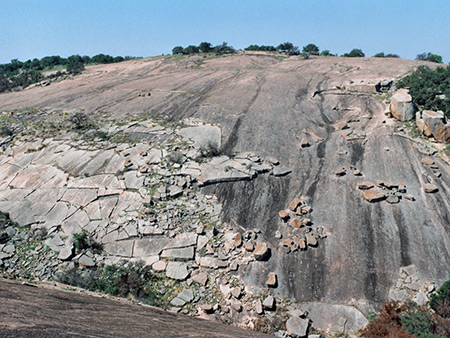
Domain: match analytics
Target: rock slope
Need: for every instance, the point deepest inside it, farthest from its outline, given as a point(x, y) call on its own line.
point(69, 314)
point(369, 207)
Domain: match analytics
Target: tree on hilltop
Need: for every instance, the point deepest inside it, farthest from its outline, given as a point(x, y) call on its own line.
point(429, 57)
point(310, 49)
point(285, 47)
point(355, 53)
point(205, 47)
point(75, 67)
point(178, 50)
point(191, 50)
point(224, 49)
point(289, 48)
point(326, 52)
point(261, 48)
point(382, 55)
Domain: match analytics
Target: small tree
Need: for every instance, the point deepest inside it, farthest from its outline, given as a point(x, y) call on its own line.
point(440, 297)
point(355, 53)
point(310, 49)
point(252, 47)
point(178, 50)
point(285, 47)
point(325, 52)
point(429, 57)
point(191, 49)
point(205, 47)
point(75, 67)
point(224, 49)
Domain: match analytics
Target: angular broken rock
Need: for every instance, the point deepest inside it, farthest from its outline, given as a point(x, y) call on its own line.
point(409, 197)
point(430, 188)
point(272, 280)
point(295, 223)
point(433, 123)
point(177, 270)
point(200, 230)
point(281, 171)
point(364, 185)
point(304, 143)
point(402, 105)
point(187, 295)
point(249, 246)
point(341, 172)
point(269, 303)
point(159, 266)
point(234, 266)
point(306, 209)
point(236, 292)
point(127, 163)
point(66, 253)
point(262, 252)
point(183, 240)
point(356, 172)
point(273, 161)
point(258, 307)
point(236, 306)
point(206, 308)
point(237, 240)
point(200, 278)
point(374, 195)
point(302, 244)
point(86, 261)
point(179, 253)
point(284, 214)
point(311, 240)
point(175, 191)
point(178, 302)
point(392, 199)
point(306, 221)
point(297, 327)
point(294, 204)
point(209, 262)
point(427, 161)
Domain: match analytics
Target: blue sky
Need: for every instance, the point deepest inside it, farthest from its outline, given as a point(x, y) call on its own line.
point(32, 28)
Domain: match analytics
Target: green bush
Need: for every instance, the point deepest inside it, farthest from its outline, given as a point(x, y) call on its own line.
point(75, 67)
point(261, 48)
point(442, 295)
point(382, 55)
point(355, 53)
point(430, 88)
point(17, 74)
point(310, 49)
point(177, 50)
point(326, 52)
point(417, 323)
point(122, 280)
point(224, 48)
point(288, 48)
point(82, 241)
point(429, 57)
point(205, 47)
point(447, 150)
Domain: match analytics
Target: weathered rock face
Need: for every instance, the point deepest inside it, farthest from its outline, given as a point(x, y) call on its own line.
point(431, 123)
point(402, 105)
point(268, 110)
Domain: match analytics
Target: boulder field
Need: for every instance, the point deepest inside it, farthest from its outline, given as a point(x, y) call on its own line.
point(347, 209)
